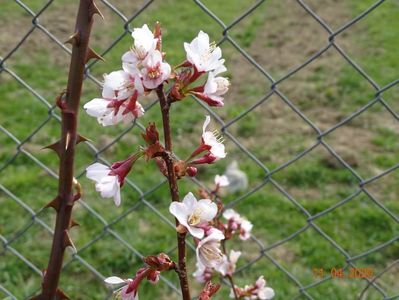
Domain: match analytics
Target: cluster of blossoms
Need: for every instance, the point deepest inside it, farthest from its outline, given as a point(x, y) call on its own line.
point(202, 219)
point(144, 69)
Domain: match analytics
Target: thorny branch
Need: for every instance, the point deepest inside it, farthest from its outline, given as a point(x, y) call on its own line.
point(65, 149)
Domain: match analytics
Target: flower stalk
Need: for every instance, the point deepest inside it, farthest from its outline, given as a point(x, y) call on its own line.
point(174, 191)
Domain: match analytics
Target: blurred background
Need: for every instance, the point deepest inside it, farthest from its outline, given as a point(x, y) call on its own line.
point(311, 120)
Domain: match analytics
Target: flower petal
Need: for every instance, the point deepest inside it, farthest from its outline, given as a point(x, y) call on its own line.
point(208, 209)
point(114, 280)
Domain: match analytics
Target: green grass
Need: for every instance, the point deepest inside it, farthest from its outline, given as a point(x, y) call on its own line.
point(314, 182)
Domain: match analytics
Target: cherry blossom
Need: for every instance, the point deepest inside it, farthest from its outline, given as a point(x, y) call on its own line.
point(208, 249)
point(210, 142)
point(119, 102)
point(203, 55)
point(125, 292)
point(113, 112)
point(155, 71)
point(193, 214)
point(234, 219)
point(229, 263)
point(120, 85)
point(202, 274)
point(237, 223)
point(109, 180)
point(221, 181)
point(144, 42)
point(257, 291)
point(245, 230)
point(213, 90)
point(263, 292)
point(108, 185)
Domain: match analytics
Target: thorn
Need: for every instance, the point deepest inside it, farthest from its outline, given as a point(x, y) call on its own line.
point(68, 139)
point(55, 203)
point(93, 54)
point(68, 241)
point(74, 39)
point(81, 138)
point(77, 186)
point(55, 147)
point(93, 9)
point(60, 295)
point(73, 223)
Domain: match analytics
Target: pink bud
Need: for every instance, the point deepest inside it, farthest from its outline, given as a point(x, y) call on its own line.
point(191, 171)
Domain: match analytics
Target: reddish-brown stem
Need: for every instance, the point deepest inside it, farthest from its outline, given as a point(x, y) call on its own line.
point(229, 277)
point(174, 191)
point(66, 150)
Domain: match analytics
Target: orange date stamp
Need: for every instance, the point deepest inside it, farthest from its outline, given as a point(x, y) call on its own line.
point(341, 273)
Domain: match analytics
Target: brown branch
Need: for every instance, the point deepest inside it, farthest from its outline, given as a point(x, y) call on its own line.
point(174, 191)
point(66, 150)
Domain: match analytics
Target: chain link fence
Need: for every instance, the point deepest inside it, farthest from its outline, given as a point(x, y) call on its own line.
point(270, 172)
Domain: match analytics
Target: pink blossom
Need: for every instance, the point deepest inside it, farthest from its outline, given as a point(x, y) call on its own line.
point(202, 274)
point(237, 223)
point(155, 71)
point(229, 263)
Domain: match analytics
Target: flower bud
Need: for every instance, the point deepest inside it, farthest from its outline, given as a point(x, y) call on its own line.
point(191, 171)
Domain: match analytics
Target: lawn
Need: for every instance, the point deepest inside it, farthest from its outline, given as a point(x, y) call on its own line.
point(279, 36)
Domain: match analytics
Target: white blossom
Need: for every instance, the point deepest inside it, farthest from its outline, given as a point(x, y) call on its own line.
point(211, 140)
point(221, 181)
point(229, 263)
point(192, 214)
point(208, 249)
point(107, 185)
point(204, 55)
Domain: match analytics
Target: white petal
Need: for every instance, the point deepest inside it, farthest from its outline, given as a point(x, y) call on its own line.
point(218, 150)
point(117, 196)
point(97, 107)
point(114, 280)
point(97, 171)
point(208, 209)
point(234, 256)
point(230, 214)
point(196, 232)
point(129, 62)
point(190, 202)
point(266, 293)
point(179, 210)
point(206, 123)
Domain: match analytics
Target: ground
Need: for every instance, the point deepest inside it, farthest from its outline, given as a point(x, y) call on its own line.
point(279, 36)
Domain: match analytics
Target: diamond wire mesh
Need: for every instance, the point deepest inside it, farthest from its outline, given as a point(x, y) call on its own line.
point(274, 90)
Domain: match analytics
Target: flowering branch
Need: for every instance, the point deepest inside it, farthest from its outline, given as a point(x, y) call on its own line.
point(174, 192)
point(68, 102)
point(145, 70)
